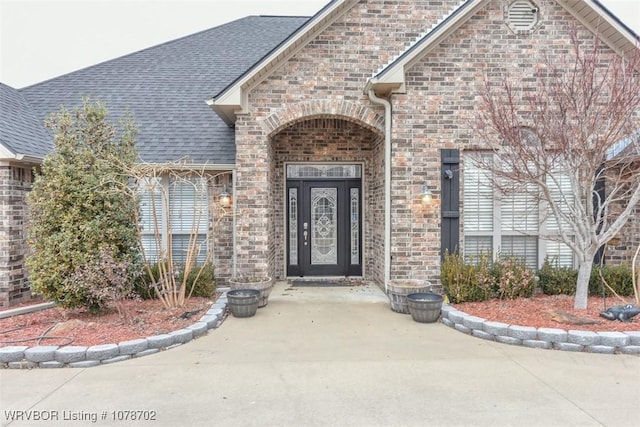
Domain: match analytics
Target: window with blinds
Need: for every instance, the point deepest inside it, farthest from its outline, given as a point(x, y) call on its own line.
point(499, 225)
point(559, 253)
point(189, 218)
point(174, 214)
point(478, 207)
point(152, 217)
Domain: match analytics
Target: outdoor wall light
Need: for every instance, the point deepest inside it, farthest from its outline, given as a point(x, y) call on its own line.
point(426, 195)
point(225, 198)
point(448, 174)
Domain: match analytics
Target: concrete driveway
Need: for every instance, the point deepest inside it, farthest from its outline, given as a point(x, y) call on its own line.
point(331, 356)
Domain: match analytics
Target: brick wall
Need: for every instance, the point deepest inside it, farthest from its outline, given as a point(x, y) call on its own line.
point(623, 247)
point(221, 228)
point(441, 100)
point(15, 182)
point(325, 80)
point(333, 140)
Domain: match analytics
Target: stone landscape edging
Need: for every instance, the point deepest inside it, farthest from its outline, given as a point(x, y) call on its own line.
point(545, 338)
point(53, 356)
point(24, 357)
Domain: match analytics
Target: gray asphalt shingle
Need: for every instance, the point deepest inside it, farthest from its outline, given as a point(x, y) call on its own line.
point(20, 131)
point(166, 88)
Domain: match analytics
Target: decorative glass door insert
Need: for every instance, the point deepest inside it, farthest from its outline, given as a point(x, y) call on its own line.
point(324, 226)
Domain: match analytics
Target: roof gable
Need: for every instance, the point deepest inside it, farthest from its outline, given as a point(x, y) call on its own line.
point(233, 98)
point(22, 135)
point(391, 77)
point(590, 13)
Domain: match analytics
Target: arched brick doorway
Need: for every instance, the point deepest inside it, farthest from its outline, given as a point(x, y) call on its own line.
point(344, 167)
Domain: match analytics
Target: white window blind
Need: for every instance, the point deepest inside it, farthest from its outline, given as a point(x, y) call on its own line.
point(188, 206)
point(475, 246)
point(518, 212)
point(522, 247)
point(150, 202)
point(558, 253)
point(187, 217)
point(563, 196)
point(478, 197)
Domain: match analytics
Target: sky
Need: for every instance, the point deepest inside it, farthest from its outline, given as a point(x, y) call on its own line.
point(42, 39)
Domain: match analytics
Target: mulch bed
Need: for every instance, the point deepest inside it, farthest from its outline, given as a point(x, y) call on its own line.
point(57, 326)
point(550, 311)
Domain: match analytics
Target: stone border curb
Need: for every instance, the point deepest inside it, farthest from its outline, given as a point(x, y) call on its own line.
point(24, 357)
point(547, 338)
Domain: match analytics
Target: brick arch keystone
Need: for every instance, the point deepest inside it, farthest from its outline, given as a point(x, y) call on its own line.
point(346, 110)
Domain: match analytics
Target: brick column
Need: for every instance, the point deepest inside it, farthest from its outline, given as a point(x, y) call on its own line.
point(15, 182)
point(253, 204)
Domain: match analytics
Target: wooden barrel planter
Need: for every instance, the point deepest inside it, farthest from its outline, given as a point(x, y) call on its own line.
point(262, 284)
point(243, 302)
point(425, 307)
point(399, 289)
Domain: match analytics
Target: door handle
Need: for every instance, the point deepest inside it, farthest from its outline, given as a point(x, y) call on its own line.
point(305, 233)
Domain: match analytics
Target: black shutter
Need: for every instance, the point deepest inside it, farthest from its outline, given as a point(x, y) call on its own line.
point(450, 201)
point(601, 190)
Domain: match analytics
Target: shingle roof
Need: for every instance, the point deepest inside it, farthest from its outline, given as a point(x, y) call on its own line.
point(20, 131)
point(166, 88)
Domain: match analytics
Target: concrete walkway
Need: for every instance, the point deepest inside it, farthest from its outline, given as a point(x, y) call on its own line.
point(333, 356)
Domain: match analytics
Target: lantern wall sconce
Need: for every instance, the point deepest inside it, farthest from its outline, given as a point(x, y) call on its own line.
point(225, 198)
point(426, 195)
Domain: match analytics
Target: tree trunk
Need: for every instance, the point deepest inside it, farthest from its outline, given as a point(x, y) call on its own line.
point(582, 286)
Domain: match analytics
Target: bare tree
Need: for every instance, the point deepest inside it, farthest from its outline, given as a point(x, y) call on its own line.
point(574, 119)
point(168, 277)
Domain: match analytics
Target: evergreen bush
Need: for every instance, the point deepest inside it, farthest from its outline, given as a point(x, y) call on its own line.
point(619, 277)
point(557, 280)
point(82, 229)
point(204, 286)
point(466, 281)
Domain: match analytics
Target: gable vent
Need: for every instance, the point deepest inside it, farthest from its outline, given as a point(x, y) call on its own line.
point(522, 15)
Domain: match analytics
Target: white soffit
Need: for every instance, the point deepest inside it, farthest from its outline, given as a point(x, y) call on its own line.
point(610, 29)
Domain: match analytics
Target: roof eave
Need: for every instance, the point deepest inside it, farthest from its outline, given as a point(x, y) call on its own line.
point(234, 97)
point(227, 112)
point(602, 22)
point(384, 88)
point(7, 155)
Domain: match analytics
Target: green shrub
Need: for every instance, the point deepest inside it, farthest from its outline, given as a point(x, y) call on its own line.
point(143, 286)
point(513, 278)
point(464, 282)
point(562, 280)
point(619, 277)
point(205, 284)
point(82, 224)
point(557, 280)
point(479, 279)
